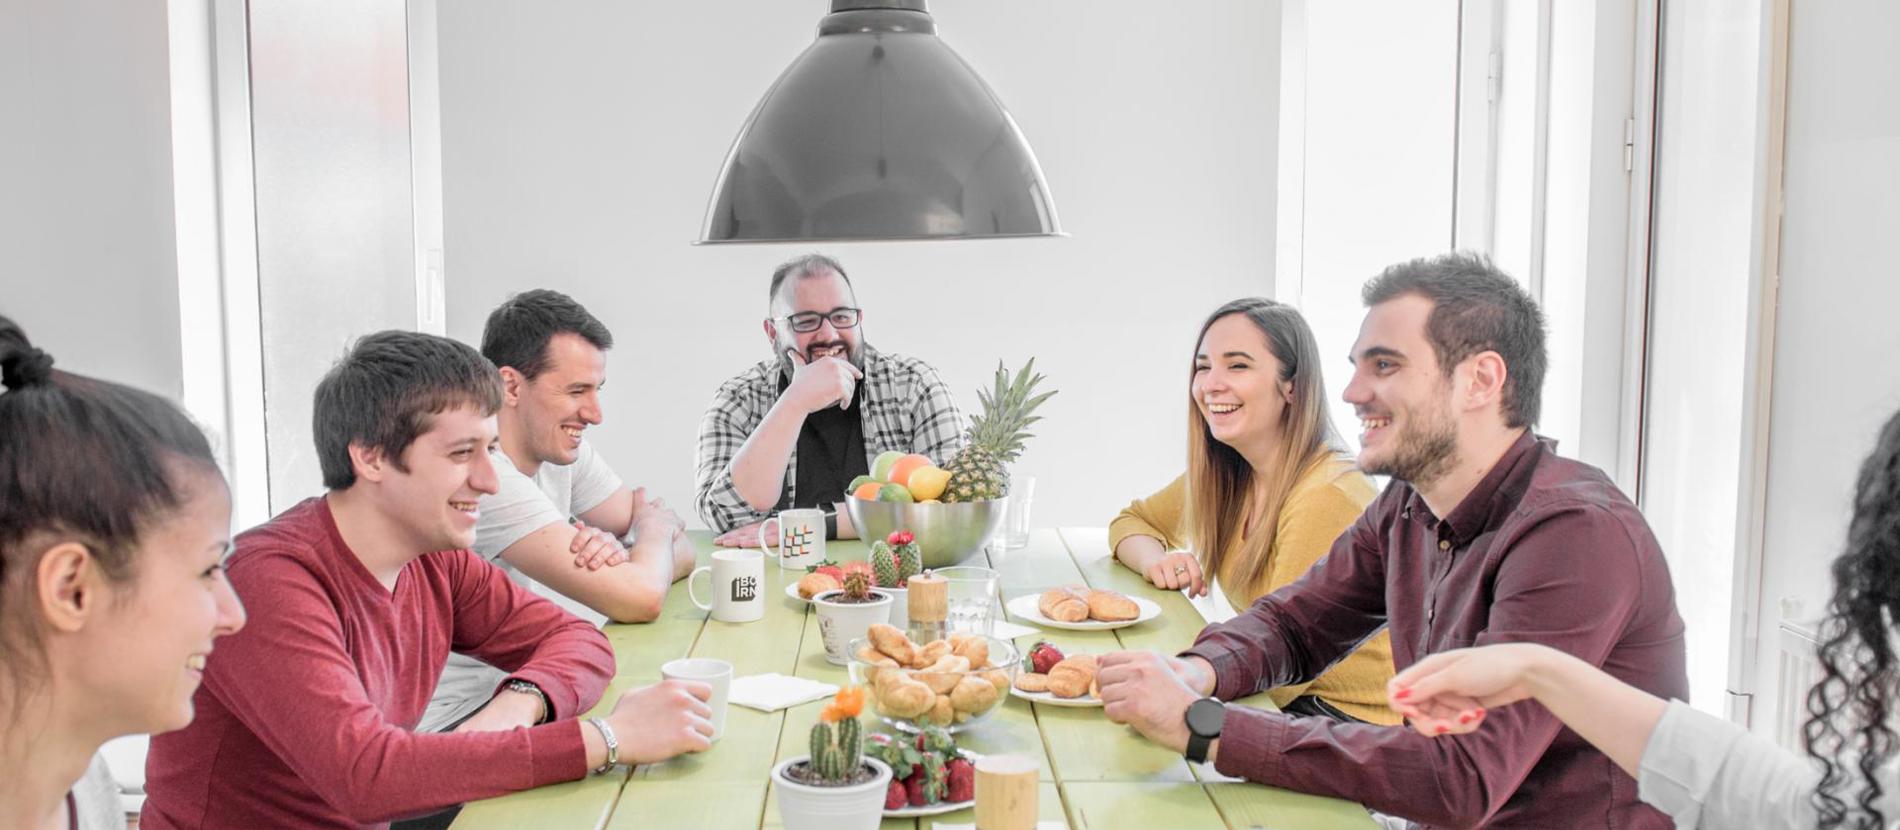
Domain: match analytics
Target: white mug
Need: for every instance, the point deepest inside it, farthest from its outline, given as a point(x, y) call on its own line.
point(738, 582)
point(800, 538)
point(714, 673)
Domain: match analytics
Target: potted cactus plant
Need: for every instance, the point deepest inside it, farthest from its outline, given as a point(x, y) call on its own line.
point(894, 560)
point(835, 787)
point(847, 613)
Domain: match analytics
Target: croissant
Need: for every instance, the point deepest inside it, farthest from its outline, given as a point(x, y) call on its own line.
point(877, 659)
point(972, 648)
point(929, 653)
point(1032, 682)
point(1063, 605)
point(997, 678)
point(1072, 676)
point(813, 584)
point(1110, 606)
point(893, 643)
point(943, 675)
point(943, 713)
point(973, 694)
point(901, 697)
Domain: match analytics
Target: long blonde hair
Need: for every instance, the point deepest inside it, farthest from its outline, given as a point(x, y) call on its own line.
point(1220, 480)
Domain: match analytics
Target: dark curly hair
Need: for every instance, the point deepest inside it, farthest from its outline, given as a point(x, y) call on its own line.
point(1848, 709)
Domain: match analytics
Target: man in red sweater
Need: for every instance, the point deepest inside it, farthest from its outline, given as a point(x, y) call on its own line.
point(357, 597)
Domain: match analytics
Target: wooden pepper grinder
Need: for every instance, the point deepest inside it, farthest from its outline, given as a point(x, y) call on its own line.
point(929, 606)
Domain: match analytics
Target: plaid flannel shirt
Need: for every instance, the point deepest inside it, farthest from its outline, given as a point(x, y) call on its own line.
point(906, 407)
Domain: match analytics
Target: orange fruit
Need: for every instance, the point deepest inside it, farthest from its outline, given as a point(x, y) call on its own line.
point(900, 471)
point(867, 491)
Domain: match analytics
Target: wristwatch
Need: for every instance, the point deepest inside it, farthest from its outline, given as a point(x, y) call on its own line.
point(526, 688)
point(1204, 719)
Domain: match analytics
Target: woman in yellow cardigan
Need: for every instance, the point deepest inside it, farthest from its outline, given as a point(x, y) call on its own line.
point(1265, 494)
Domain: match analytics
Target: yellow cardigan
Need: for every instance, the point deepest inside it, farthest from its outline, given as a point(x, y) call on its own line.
point(1320, 508)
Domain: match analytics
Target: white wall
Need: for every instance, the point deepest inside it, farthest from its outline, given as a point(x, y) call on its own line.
point(88, 264)
point(1833, 386)
point(580, 145)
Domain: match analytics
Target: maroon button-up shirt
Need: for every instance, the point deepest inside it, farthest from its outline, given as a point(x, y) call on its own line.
point(1544, 550)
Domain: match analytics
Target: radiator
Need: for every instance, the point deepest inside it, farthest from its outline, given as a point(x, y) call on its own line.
point(1798, 671)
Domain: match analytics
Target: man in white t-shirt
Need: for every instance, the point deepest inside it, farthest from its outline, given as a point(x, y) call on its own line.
point(552, 356)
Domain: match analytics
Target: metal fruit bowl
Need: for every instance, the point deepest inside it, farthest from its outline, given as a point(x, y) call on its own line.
point(948, 533)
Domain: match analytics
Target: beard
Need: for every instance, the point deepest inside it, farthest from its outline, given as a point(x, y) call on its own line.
point(1424, 449)
point(817, 348)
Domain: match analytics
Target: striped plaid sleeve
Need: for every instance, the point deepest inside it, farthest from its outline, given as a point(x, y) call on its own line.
point(728, 421)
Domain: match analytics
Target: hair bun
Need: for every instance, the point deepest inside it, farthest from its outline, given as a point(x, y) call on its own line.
point(28, 367)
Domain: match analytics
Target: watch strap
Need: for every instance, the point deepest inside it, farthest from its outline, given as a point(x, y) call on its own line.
point(1197, 748)
point(527, 688)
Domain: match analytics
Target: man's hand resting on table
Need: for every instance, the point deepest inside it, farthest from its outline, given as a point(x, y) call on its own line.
point(1151, 693)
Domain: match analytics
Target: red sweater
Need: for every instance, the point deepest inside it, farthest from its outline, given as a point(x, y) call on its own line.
point(305, 716)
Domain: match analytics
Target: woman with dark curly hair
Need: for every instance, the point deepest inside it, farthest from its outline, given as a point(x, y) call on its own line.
point(114, 521)
point(1704, 771)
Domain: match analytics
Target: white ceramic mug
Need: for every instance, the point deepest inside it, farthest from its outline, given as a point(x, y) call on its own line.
point(738, 585)
point(714, 673)
point(800, 538)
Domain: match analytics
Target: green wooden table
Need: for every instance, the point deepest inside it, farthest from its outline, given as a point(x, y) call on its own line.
point(1096, 774)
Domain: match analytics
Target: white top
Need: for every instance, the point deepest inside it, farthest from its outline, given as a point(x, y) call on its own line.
point(521, 505)
point(1706, 772)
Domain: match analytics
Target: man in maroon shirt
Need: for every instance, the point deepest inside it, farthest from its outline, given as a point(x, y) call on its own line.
point(356, 598)
point(1485, 535)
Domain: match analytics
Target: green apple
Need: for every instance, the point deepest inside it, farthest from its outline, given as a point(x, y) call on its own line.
point(881, 467)
point(894, 492)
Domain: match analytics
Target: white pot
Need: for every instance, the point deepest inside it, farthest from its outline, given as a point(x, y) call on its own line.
point(900, 607)
point(840, 623)
point(805, 807)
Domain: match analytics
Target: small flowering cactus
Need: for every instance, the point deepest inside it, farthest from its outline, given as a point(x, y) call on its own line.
point(836, 753)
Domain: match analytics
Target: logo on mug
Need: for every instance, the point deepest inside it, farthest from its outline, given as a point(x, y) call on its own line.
point(745, 589)
point(798, 541)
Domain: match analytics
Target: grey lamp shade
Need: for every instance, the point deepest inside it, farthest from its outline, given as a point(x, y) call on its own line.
point(879, 131)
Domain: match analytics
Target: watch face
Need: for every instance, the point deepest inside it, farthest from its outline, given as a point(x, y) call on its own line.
point(1204, 717)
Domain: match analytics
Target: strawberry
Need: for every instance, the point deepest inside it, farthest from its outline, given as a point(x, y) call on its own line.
point(828, 568)
point(896, 797)
point(914, 786)
point(1043, 657)
point(961, 780)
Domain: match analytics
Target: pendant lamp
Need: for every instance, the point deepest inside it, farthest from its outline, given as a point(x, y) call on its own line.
point(879, 131)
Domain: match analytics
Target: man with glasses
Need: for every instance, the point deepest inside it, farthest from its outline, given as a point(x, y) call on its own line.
point(793, 430)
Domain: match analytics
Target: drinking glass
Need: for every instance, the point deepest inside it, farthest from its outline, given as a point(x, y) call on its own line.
point(1016, 512)
point(972, 598)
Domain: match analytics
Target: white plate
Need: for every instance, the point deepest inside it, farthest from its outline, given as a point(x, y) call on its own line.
point(791, 590)
point(1025, 608)
point(1050, 699)
point(940, 807)
point(936, 809)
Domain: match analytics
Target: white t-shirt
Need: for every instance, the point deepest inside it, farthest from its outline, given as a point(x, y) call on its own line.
point(521, 505)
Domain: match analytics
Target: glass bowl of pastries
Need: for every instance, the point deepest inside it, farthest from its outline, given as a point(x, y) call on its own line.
point(954, 682)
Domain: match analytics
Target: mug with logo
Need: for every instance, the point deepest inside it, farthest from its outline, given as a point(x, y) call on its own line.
point(800, 538)
point(738, 580)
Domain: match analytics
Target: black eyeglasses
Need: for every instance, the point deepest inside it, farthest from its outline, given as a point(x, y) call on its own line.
point(808, 321)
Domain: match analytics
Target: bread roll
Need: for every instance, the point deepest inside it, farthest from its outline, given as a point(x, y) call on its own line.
point(1072, 676)
point(893, 643)
point(1032, 682)
point(973, 694)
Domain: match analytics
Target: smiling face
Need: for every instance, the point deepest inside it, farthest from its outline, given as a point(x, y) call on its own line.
point(820, 292)
point(554, 408)
point(1237, 386)
point(146, 656)
point(1401, 395)
point(436, 499)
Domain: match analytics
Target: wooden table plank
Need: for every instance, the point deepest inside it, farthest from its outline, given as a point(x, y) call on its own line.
point(586, 803)
point(651, 804)
point(1098, 805)
point(1247, 805)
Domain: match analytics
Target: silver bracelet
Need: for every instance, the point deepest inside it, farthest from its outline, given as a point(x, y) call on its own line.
point(613, 746)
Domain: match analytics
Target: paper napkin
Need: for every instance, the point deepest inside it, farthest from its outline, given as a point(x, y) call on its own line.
point(772, 692)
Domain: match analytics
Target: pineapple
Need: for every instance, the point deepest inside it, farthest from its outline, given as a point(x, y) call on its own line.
point(979, 472)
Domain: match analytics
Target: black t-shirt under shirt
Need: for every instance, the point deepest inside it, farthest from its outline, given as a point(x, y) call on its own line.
point(830, 453)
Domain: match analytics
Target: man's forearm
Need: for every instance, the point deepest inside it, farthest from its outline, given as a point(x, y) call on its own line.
point(758, 469)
